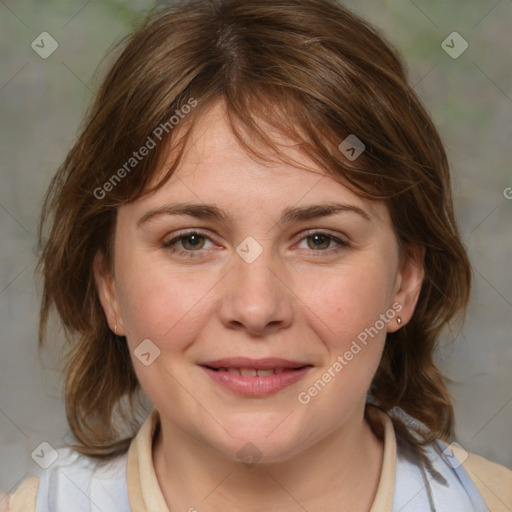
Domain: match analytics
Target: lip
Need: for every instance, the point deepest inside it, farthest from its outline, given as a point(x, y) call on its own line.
point(256, 386)
point(246, 362)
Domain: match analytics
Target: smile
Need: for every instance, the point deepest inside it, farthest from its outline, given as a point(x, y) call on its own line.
point(255, 372)
point(254, 381)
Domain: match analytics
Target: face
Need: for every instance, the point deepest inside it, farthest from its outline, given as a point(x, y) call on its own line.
point(260, 278)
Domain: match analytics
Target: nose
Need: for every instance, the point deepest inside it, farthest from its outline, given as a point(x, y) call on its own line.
point(255, 297)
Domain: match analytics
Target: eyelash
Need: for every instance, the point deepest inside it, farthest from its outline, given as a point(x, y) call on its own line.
point(169, 244)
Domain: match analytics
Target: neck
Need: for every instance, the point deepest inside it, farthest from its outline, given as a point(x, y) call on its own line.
point(342, 468)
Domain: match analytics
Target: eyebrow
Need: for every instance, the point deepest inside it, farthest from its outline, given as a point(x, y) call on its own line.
point(291, 214)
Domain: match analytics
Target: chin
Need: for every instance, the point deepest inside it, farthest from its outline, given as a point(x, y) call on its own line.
point(260, 441)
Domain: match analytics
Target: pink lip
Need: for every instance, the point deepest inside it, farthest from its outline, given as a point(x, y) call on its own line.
point(256, 386)
point(246, 362)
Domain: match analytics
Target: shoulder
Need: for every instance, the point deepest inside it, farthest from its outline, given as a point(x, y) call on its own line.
point(492, 480)
point(453, 479)
point(74, 482)
point(24, 499)
point(457, 480)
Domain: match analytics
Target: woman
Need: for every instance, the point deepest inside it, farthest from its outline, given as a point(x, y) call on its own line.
point(256, 228)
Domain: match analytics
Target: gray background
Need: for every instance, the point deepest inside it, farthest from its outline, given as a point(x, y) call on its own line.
point(42, 102)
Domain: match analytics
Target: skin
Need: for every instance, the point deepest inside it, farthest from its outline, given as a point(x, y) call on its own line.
point(294, 301)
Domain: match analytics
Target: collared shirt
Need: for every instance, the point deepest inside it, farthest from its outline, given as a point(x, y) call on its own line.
point(465, 482)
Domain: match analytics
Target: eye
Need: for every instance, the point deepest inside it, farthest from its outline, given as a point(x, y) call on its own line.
point(192, 243)
point(321, 242)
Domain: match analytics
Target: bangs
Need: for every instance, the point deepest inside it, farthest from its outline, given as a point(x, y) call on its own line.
point(268, 123)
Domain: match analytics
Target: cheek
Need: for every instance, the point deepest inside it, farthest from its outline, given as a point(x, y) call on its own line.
point(349, 302)
point(168, 307)
point(347, 318)
point(162, 303)
point(345, 314)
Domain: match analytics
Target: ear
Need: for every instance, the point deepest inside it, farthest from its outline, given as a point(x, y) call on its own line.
point(408, 284)
point(105, 284)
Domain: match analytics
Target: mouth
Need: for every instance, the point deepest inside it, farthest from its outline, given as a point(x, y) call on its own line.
point(255, 377)
point(255, 372)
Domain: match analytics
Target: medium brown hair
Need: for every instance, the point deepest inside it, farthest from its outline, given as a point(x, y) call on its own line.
point(316, 73)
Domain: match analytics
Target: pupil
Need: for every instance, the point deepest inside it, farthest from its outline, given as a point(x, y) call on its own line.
point(193, 240)
point(319, 240)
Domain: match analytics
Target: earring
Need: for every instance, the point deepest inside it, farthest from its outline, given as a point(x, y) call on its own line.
point(398, 320)
point(115, 329)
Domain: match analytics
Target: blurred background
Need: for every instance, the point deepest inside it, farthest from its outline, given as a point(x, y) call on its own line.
point(468, 94)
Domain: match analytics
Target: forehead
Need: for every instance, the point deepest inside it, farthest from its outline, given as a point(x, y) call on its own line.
point(213, 144)
point(216, 168)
